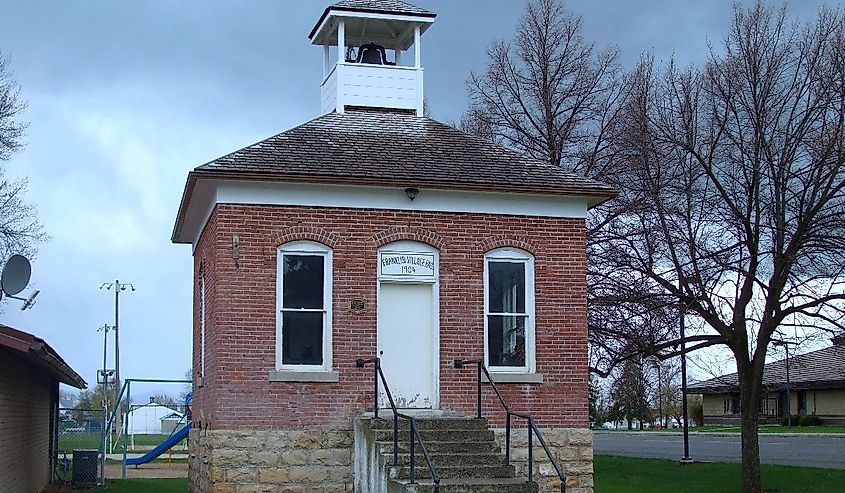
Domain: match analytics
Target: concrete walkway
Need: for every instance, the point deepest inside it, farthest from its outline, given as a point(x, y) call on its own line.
point(152, 470)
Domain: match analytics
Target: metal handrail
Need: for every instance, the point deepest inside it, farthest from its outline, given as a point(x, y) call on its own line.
point(415, 434)
point(532, 426)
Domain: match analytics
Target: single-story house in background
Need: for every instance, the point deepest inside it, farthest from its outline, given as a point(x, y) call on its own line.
point(171, 422)
point(147, 419)
point(30, 372)
point(816, 387)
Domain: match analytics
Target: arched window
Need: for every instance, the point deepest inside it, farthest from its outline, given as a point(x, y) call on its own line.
point(509, 310)
point(304, 300)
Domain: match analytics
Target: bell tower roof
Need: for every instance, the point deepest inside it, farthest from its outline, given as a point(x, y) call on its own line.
point(386, 21)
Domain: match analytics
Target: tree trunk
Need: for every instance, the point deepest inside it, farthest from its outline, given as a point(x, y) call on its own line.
point(750, 395)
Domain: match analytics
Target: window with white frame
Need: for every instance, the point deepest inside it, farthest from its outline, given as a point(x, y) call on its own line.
point(303, 338)
point(509, 310)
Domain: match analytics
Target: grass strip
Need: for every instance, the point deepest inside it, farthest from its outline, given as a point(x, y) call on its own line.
point(632, 475)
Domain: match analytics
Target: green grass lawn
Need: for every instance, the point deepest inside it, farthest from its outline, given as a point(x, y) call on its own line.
point(629, 475)
point(735, 429)
point(71, 441)
point(777, 429)
point(146, 486)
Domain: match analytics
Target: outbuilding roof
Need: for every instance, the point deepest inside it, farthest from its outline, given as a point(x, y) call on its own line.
point(39, 354)
point(821, 369)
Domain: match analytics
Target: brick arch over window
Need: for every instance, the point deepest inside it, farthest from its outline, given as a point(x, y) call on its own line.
point(407, 233)
point(506, 241)
point(303, 233)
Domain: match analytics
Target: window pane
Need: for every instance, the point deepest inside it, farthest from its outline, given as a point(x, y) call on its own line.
point(302, 338)
point(303, 281)
point(506, 340)
point(507, 287)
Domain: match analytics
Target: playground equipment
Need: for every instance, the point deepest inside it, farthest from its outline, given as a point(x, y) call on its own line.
point(163, 447)
point(175, 437)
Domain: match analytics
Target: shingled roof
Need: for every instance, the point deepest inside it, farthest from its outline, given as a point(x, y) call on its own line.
point(381, 6)
point(377, 147)
point(389, 7)
point(820, 369)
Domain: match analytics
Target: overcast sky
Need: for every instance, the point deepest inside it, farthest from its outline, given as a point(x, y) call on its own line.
point(126, 97)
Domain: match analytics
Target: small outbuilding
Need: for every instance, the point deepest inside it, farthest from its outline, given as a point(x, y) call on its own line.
point(148, 419)
point(30, 373)
point(815, 386)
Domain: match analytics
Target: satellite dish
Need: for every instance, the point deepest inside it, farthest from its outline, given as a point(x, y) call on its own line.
point(16, 275)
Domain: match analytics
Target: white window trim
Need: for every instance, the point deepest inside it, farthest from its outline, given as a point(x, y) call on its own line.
point(517, 256)
point(305, 248)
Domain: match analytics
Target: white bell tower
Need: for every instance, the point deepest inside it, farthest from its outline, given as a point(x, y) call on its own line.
point(363, 41)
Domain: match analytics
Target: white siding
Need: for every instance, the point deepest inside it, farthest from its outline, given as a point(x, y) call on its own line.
point(376, 86)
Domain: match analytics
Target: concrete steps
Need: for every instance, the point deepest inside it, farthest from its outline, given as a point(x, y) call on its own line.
point(498, 485)
point(464, 453)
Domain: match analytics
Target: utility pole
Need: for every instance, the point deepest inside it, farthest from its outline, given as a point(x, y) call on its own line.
point(105, 399)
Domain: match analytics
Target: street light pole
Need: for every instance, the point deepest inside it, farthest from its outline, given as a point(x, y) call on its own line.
point(788, 403)
point(659, 393)
point(683, 312)
point(686, 457)
point(118, 287)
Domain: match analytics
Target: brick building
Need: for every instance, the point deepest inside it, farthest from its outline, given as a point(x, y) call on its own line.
point(375, 231)
point(30, 372)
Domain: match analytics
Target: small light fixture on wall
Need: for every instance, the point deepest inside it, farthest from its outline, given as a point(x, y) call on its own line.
point(411, 193)
point(236, 247)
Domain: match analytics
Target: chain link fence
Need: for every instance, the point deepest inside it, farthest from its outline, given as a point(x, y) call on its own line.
point(79, 447)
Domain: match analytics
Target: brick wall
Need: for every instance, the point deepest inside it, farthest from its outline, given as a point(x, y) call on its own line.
point(24, 426)
point(241, 320)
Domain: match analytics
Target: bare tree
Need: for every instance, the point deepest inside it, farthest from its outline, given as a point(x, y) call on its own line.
point(736, 200)
point(20, 230)
point(12, 130)
point(556, 97)
point(549, 94)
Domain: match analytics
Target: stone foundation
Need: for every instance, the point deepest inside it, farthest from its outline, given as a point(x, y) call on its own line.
point(320, 461)
point(272, 461)
point(573, 449)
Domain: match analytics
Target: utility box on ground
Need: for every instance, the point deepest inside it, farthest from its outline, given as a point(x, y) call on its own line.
point(85, 468)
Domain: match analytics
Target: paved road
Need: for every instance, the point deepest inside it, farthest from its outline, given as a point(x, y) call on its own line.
point(812, 450)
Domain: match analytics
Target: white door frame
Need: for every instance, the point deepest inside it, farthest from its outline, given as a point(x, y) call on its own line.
point(415, 247)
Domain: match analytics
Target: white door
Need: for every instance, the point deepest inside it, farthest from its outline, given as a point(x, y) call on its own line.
point(406, 342)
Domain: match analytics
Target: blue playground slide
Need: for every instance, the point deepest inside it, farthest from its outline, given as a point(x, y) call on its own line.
point(162, 447)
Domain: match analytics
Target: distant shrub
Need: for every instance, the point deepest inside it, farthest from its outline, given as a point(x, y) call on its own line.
point(810, 420)
point(796, 420)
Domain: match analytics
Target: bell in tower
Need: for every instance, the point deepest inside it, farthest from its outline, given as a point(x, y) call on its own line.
point(363, 42)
